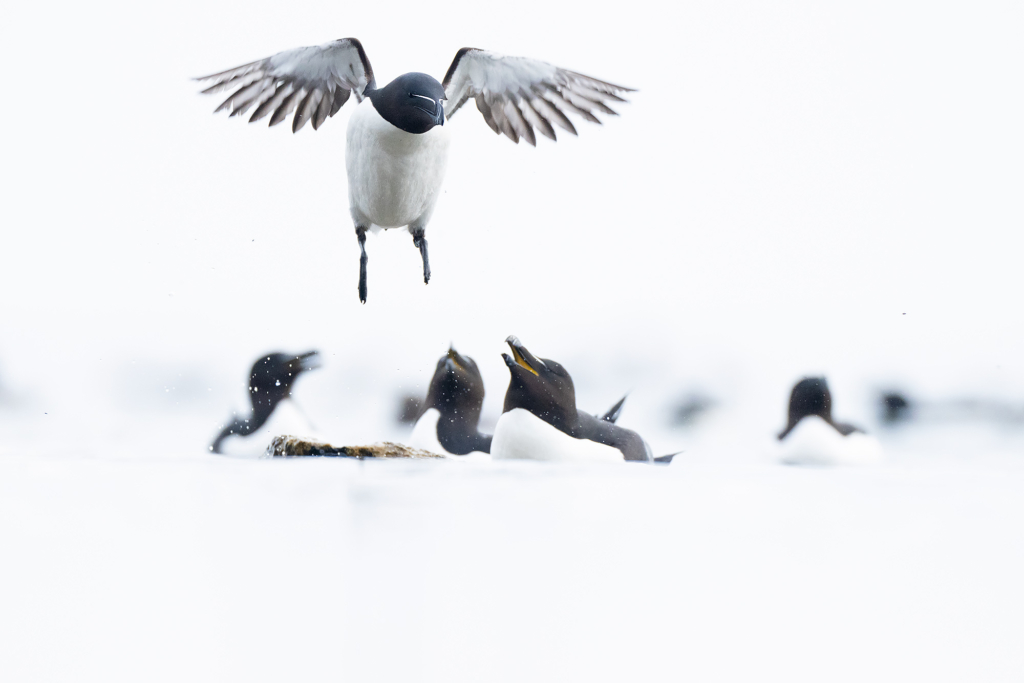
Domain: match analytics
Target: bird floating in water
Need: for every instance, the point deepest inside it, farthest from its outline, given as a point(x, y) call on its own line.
point(451, 415)
point(540, 420)
point(270, 388)
point(812, 437)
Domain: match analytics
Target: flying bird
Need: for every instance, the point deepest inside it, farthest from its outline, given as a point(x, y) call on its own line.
point(396, 148)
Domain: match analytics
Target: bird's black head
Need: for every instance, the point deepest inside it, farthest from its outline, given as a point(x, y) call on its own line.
point(272, 377)
point(413, 102)
point(895, 407)
point(540, 386)
point(457, 388)
point(810, 396)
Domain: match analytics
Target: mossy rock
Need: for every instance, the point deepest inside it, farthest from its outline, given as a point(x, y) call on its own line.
point(294, 446)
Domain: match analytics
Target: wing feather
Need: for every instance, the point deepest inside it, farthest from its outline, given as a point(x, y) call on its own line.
point(516, 95)
point(536, 120)
point(273, 102)
point(322, 110)
point(498, 114)
point(227, 103)
point(305, 109)
point(581, 103)
point(595, 95)
point(559, 101)
point(313, 81)
point(519, 123)
point(242, 80)
point(285, 108)
point(340, 98)
point(485, 111)
point(256, 92)
point(552, 113)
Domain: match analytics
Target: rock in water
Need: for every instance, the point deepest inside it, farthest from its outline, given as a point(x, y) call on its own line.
point(290, 446)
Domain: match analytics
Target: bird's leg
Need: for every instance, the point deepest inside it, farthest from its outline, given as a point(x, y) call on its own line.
point(361, 236)
point(421, 243)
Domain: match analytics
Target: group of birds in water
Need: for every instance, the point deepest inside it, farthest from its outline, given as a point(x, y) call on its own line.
point(540, 419)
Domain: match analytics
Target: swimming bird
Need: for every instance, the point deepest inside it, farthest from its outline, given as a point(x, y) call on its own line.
point(899, 408)
point(449, 420)
point(455, 398)
point(396, 149)
point(895, 407)
point(270, 388)
point(541, 422)
point(812, 437)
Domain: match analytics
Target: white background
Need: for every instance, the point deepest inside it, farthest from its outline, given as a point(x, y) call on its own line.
point(795, 188)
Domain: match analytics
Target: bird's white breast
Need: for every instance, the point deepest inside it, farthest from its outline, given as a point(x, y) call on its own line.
point(815, 442)
point(520, 435)
point(424, 437)
point(394, 177)
point(286, 419)
point(424, 433)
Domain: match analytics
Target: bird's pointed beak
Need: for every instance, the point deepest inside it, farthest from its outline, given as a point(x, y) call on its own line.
point(521, 356)
point(435, 109)
point(454, 360)
point(309, 360)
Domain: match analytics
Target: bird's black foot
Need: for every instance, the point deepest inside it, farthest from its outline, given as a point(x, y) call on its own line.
point(361, 236)
point(421, 243)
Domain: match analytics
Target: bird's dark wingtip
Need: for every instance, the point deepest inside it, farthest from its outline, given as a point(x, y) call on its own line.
point(613, 413)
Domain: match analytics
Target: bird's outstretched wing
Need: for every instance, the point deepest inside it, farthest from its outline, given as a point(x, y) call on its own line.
point(517, 94)
point(314, 81)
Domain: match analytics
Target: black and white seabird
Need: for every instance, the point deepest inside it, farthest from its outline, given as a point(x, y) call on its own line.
point(397, 145)
point(451, 413)
point(270, 390)
point(812, 437)
point(540, 420)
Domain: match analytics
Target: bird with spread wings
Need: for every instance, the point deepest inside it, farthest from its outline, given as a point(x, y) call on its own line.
point(397, 144)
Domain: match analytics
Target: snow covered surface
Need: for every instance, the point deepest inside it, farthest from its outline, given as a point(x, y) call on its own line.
point(121, 566)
